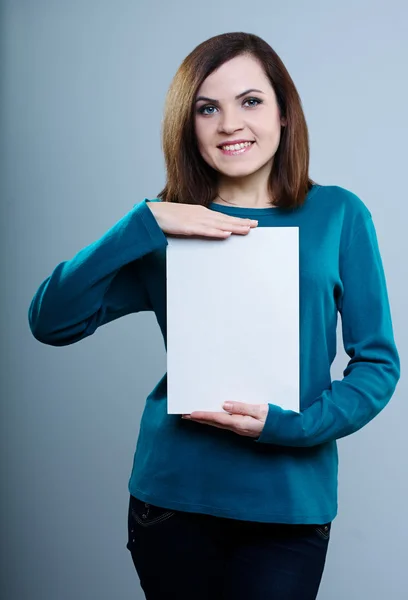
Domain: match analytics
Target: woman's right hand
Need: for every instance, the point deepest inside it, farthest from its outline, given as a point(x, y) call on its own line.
point(197, 220)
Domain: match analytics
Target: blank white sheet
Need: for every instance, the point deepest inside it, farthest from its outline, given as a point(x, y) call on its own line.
point(233, 320)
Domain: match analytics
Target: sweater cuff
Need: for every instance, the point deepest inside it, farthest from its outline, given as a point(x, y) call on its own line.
point(156, 234)
point(268, 434)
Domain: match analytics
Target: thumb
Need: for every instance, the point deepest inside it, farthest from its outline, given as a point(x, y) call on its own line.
point(241, 408)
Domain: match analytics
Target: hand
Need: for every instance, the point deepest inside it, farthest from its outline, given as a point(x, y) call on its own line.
point(194, 219)
point(243, 419)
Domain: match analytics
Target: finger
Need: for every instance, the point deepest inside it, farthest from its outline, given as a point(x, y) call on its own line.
point(229, 221)
point(221, 418)
point(241, 408)
point(211, 232)
point(214, 232)
point(223, 218)
point(238, 228)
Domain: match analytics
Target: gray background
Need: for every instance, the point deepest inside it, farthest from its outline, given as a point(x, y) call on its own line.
point(82, 94)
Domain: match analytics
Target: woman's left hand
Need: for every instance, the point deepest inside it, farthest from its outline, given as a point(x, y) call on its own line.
point(243, 419)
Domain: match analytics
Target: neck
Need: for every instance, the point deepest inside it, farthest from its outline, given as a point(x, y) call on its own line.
point(246, 192)
point(245, 201)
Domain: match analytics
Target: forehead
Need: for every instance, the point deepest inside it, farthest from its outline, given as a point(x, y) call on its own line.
point(234, 76)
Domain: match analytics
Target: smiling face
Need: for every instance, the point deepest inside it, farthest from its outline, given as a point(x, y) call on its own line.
point(237, 103)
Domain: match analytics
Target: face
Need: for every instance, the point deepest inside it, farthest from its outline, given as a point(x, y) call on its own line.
point(236, 104)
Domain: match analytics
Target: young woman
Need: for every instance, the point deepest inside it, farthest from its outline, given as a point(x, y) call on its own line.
point(238, 503)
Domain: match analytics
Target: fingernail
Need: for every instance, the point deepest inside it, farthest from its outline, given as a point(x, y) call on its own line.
point(227, 406)
point(186, 417)
point(254, 221)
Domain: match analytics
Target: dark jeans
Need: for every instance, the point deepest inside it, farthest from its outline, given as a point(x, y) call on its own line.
point(188, 556)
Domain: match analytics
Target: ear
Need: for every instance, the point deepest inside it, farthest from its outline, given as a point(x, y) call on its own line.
point(283, 122)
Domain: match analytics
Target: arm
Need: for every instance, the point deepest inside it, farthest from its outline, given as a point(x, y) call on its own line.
point(373, 371)
point(102, 282)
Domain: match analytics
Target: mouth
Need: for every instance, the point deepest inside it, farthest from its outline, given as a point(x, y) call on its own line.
point(235, 149)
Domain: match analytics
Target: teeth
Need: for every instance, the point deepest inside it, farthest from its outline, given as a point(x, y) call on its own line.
point(236, 146)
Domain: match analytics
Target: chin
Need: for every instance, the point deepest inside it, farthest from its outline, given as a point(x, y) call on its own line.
point(239, 171)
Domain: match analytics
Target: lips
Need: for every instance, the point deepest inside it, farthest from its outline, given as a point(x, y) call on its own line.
point(237, 151)
point(233, 142)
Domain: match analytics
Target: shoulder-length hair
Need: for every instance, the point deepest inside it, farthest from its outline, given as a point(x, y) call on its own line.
point(190, 179)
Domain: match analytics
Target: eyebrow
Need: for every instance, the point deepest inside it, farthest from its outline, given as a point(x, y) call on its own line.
point(236, 97)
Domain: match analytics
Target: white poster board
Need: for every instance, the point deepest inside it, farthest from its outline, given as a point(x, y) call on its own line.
point(233, 320)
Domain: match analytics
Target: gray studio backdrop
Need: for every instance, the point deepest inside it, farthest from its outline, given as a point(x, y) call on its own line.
point(82, 93)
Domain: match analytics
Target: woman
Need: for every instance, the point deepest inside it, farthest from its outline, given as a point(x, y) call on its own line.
point(238, 503)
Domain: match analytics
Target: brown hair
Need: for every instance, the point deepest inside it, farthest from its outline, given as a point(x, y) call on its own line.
point(190, 179)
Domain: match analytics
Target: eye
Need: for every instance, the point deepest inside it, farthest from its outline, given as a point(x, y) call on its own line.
point(206, 107)
point(257, 100)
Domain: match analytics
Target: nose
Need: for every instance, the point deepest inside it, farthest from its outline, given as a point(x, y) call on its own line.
point(229, 122)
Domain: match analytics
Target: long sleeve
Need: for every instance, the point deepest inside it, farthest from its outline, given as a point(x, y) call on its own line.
point(373, 371)
point(102, 282)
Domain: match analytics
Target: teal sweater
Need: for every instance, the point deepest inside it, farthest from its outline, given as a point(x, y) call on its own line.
point(288, 474)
